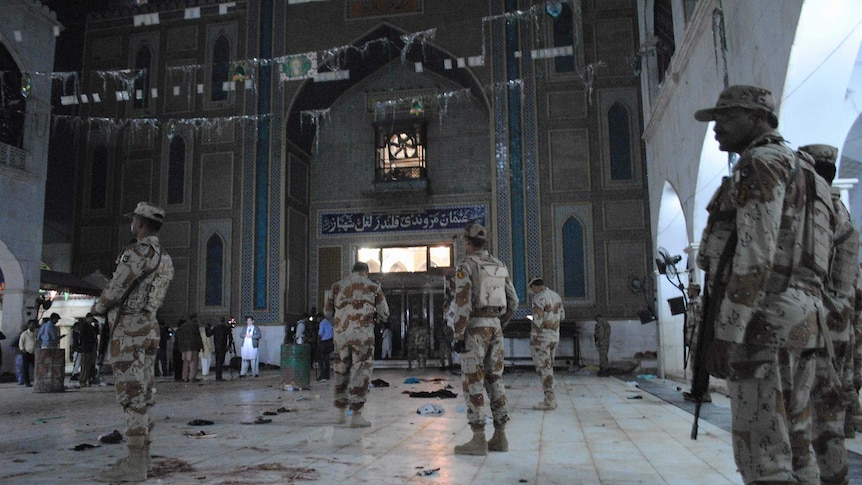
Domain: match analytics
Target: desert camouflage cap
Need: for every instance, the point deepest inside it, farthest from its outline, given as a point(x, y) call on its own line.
point(821, 153)
point(535, 280)
point(148, 210)
point(748, 97)
point(475, 230)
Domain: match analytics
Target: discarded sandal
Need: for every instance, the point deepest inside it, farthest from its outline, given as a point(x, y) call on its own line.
point(200, 422)
point(199, 434)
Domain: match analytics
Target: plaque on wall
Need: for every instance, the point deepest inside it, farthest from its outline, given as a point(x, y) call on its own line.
point(431, 219)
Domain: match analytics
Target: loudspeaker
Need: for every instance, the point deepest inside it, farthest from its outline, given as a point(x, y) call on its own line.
point(646, 316)
point(677, 305)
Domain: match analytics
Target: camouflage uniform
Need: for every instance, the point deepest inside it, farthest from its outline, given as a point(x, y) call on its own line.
point(351, 305)
point(768, 321)
point(417, 348)
point(856, 349)
point(445, 336)
point(135, 333)
point(602, 338)
point(547, 311)
point(833, 383)
point(482, 333)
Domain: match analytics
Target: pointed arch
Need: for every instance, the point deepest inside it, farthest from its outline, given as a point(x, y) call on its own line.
point(220, 72)
point(620, 141)
point(99, 177)
point(143, 70)
point(574, 259)
point(177, 170)
point(213, 277)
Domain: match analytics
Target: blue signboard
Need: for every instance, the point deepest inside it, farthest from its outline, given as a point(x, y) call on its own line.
point(432, 219)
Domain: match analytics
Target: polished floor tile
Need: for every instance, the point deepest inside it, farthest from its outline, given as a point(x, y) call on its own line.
point(605, 431)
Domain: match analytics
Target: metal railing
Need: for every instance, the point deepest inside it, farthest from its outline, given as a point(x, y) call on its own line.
point(13, 156)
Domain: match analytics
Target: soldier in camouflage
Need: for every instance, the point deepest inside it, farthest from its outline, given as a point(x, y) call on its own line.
point(417, 347)
point(856, 349)
point(602, 339)
point(830, 399)
point(548, 311)
point(351, 305)
point(772, 215)
point(131, 299)
point(479, 340)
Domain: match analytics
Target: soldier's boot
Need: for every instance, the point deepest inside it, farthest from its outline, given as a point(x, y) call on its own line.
point(341, 417)
point(358, 421)
point(132, 468)
point(498, 442)
point(549, 403)
point(477, 445)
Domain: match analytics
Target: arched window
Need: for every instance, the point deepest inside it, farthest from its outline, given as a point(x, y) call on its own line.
point(574, 259)
point(220, 68)
point(12, 104)
point(564, 36)
point(214, 267)
point(620, 140)
point(98, 177)
point(177, 170)
point(143, 66)
point(663, 27)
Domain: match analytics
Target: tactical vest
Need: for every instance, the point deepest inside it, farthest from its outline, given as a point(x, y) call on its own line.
point(159, 282)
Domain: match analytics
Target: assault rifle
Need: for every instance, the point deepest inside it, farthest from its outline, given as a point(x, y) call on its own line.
point(706, 329)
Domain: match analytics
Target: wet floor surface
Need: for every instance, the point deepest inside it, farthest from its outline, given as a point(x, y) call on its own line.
point(605, 430)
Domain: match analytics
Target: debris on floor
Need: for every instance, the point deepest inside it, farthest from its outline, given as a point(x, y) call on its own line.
point(412, 380)
point(113, 437)
point(425, 473)
point(199, 434)
point(379, 383)
point(200, 422)
point(440, 393)
point(430, 408)
point(84, 446)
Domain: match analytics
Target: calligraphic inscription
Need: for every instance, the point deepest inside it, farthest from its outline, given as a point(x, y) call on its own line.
point(379, 8)
point(428, 220)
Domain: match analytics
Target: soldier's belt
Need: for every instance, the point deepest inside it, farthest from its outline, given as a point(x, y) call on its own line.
point(488, 313)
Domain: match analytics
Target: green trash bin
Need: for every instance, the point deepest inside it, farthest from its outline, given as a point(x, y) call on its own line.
point(296, 365)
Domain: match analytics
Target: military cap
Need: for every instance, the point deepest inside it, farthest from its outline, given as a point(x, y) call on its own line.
point(474, 230)
point(748, 97)
point(821, 153)
point(148, 210)
point(536, 281)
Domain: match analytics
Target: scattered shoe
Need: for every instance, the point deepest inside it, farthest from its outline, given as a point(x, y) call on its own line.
point(257, 375)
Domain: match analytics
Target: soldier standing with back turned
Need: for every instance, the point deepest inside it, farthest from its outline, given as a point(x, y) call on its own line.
point(547, 312)
point(833, 388)
point(134, 294)
point(766, 245)
point(479, 338)
point(352, 304)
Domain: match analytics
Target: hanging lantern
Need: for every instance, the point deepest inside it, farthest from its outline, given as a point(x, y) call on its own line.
point(26, 85)
point(554, 9)
point(171, 130)
point(416, 108)
point(239, 74)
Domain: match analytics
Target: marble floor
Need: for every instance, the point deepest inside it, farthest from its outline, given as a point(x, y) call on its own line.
point(605, 431)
